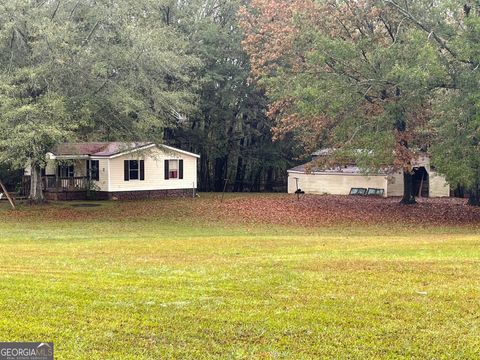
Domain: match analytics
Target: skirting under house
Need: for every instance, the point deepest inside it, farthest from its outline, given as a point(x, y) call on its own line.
point(121, 195)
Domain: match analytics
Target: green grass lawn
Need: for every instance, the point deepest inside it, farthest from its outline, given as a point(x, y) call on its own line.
point(169, 285)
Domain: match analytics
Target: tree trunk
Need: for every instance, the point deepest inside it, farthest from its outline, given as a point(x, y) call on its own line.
point(36, 190)
point(238, 187)
point(408, 195)
point(269, 182)
point(473, 200)
point(474, 197)
point(220, 172)
point(401, 127)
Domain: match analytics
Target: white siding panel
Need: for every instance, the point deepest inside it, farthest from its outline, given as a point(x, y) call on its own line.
point(438, 185)
point(336, 184)
point(395, 184)
point(154, 172)
point(102, 183)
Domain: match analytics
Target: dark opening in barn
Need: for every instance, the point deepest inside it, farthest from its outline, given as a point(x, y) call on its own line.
point(420, 182)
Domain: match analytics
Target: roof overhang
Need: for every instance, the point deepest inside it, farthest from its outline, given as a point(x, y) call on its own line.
point(52, 156)
point(335, 173)
point(125, 152)
point(171, 148)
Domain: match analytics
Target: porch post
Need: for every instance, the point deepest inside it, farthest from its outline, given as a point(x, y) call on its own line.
point(57, 179)
point(89, 170)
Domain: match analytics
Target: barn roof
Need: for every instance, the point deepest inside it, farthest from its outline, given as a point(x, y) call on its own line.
point(312, 168)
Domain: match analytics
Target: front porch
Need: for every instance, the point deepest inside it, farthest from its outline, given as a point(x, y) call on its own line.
point(61, 188)
point(67, 179)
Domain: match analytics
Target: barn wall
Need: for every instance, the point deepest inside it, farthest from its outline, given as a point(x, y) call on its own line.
point(335, 184)
point(438, 185)
point(395, 184)
point(340, 184)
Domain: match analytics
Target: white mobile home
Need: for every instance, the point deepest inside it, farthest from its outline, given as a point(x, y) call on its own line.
point(118, 170)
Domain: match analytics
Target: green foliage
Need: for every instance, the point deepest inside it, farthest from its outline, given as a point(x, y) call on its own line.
point(456, 100)
point(230, 128)
point(96, 70)
point(103, 70)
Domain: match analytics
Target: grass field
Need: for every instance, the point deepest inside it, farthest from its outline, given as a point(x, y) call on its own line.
point(180, 279)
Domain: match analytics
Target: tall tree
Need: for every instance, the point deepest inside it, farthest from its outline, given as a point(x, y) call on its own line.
point(87, 70)
point(453, 27)
point(346, 74)
point(230, 128)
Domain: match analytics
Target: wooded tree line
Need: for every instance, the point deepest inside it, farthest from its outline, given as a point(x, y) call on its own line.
point(226, 78)
point(164, 71)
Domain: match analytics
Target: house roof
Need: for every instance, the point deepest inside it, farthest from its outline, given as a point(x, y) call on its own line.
point(106, 149)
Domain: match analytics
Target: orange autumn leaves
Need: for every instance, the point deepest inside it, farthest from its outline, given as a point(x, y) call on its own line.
point(336, 47)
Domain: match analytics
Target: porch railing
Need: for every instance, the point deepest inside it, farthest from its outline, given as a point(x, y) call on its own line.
point(53, 184)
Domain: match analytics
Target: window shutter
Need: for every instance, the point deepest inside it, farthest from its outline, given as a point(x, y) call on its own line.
point(126, 172)
point(96, 169)
point(142, 170)
point(89, 174)
point(166, 170)
point(180, 169)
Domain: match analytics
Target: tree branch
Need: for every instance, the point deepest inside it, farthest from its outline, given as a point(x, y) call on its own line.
point(91, 32)
point(431, 33)
point(55, 11)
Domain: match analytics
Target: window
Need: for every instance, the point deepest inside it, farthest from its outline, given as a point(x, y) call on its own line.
point(93, 169)
point(375, 192)
point(66, 171)
point(173, 169)
point(358, 191)
point(134, 170)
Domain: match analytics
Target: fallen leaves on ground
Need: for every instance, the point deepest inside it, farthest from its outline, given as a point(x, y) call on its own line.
point(324, 209)
point(310, 210)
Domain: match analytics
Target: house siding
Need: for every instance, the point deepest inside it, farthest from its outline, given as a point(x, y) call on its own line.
point(154, 172)
point(102, 183)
